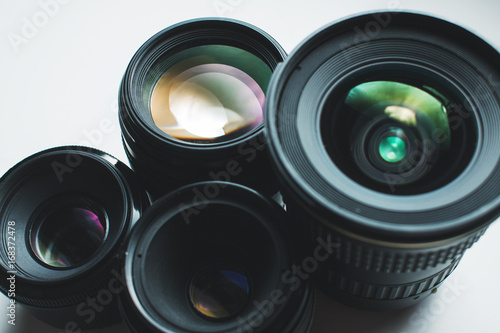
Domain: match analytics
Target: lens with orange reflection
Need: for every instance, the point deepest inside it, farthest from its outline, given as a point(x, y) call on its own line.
point(215, 94)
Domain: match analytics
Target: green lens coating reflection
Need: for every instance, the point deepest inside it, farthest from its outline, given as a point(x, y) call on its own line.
point(219, 293)
point(392, 149)
point(420, 108)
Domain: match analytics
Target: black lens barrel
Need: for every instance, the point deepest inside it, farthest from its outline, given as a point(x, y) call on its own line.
point(165, 162)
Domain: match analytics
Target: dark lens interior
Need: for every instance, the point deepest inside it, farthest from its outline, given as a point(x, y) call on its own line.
point(398, 136)
point(208, 93)
point(218, 292)
point(207, 271)
point(67, 235)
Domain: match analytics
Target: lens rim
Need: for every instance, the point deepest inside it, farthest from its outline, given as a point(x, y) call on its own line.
point(446, 212)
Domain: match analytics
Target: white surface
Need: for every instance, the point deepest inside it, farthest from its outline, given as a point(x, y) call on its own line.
point(60, 85)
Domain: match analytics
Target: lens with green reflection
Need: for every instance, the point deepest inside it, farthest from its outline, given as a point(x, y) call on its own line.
point(210, 93)
point(394, 128)
point(219, 293)
point(69, 236)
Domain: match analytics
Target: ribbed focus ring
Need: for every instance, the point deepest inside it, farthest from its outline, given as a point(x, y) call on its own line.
point(69, 300)
point(388, 292)
point(391, 260)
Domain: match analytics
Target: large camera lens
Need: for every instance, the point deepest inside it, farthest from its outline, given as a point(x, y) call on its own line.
point(192, 105)
point(64, 215)
point(197, 262)
point(384, 130)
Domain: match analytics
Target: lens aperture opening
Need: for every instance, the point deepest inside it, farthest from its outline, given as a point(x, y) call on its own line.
point(68, 234)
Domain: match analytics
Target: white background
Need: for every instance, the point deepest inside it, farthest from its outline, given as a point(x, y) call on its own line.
point(60, 84)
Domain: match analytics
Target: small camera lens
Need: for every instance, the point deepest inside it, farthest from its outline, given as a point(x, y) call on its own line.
point(191, 105)
point(71, 209)
point(218, 264)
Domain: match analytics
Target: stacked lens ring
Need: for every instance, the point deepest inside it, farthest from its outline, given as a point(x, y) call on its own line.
point(383, 148)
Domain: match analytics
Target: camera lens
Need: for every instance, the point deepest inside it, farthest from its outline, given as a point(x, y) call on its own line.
point(384, 130)
point(192, 104)
point(200, 262)
point(66, 213)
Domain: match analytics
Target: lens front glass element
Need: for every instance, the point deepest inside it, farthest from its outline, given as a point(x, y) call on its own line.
point(219, 293)
point(403, 111)
point(68, 236)
point(393, 133)
point(210, 94)
point(393, 146)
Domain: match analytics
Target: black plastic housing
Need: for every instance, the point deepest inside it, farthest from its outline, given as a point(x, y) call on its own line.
point(165, 163)
point(393, 248)
point(84, 296)
point(206, 223)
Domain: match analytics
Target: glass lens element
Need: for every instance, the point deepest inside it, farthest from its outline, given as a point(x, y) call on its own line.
point(397, 128)
point(219, 293)
point(392, 149)
point(69, 236)
point(403, 104)
point(206, 102)
point(211, 94)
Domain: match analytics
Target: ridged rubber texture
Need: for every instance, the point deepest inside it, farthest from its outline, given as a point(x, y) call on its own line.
point(388, 292)
point(391, 260)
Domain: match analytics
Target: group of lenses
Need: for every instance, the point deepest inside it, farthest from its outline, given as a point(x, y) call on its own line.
point(371, 162)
